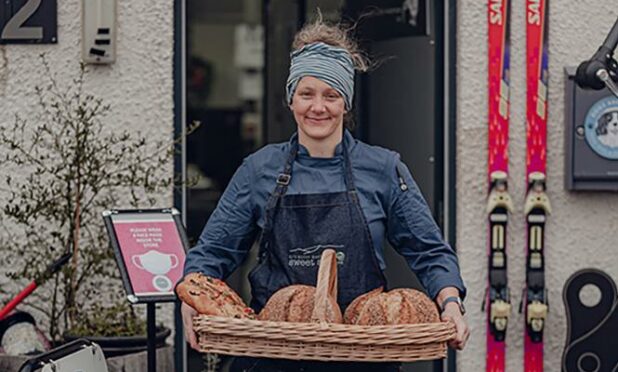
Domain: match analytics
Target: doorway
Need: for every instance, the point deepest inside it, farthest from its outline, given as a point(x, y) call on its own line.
point(237, 60)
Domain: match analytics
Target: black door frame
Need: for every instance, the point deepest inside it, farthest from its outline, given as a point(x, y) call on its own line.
point(180, 157)
point(449, 105)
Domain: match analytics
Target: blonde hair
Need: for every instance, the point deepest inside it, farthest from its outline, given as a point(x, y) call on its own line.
point(331, 34)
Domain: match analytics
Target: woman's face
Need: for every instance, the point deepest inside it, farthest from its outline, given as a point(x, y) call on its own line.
point(318, 109)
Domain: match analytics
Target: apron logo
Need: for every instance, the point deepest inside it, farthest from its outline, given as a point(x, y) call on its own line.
point(340, 257)
point(310, 256)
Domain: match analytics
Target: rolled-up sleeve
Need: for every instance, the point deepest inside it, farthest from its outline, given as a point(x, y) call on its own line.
point(412, 231)
point(229, 232)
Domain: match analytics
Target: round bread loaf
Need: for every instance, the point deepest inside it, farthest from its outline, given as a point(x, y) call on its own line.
point(304, 303)
point(399, 306)
point(290, 304)
point(354, 308)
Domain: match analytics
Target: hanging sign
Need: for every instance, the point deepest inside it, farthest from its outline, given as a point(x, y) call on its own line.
point(150, 251)
point(591, 137)
point(28, 21)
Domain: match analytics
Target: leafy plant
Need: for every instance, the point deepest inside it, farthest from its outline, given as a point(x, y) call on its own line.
point(68, 167)
point(116, 320)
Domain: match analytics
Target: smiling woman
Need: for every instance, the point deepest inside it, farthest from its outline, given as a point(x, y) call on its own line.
point(320, 86)
point(318, 110)
point(324, 188)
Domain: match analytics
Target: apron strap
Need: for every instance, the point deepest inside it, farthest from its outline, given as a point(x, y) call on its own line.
point(284, 178)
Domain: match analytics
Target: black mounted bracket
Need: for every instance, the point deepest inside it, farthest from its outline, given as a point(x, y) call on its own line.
point(601, 70)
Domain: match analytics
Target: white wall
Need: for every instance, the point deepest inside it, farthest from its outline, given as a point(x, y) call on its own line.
point(582, 230)
point(138, 87)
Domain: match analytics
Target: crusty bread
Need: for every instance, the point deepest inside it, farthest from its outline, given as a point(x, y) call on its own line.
point(353, 310)
point(212, 297)
point(301, 305)
point(293, 303)
point(296, 303)
point(304, 303)
point(424, 310)
point(399, 306)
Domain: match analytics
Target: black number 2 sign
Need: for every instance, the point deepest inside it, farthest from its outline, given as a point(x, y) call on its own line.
point(28, 21)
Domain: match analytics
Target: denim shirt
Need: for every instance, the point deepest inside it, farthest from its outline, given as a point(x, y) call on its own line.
point(401, 216)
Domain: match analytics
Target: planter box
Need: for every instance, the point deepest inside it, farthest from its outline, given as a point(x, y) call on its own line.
point(116, 346)
point(128, 362)
point(139, 361)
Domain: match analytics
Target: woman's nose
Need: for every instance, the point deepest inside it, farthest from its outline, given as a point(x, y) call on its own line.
point(318, 105)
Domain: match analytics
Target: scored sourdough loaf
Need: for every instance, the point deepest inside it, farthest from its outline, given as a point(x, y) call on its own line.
point(305, 303)
point(212, 296)
point(399, 306)
point(293, 303)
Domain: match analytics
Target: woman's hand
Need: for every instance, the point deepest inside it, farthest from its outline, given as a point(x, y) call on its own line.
point(187, 320)
point(453, 313)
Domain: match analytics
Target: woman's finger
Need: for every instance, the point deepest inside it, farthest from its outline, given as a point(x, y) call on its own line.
point(466, 335)
point(193, 340)
point(462, 334)
point(461, 330)
point(187, 320)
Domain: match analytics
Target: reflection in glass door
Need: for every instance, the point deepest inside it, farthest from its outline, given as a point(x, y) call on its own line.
point(224, 93)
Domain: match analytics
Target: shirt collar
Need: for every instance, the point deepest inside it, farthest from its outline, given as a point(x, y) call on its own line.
point(347, 137)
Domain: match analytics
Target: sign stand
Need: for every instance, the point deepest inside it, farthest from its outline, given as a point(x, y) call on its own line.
point(152, 331)
point(150, 248)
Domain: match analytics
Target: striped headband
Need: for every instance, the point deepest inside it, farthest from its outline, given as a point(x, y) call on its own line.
point(332, 65)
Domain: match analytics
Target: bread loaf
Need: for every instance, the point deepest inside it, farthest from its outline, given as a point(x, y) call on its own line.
point(290, 304)
point(399, 306)
point(212, 296)
point(304, 303)
point(354, 308)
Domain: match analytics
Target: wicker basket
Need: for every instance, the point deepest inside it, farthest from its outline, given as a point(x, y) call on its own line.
point(321, 340)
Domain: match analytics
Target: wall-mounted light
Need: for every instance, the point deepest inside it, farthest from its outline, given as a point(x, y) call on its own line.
point(99, 31)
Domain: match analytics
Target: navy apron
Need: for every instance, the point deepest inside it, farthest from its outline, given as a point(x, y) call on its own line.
point(297, 229)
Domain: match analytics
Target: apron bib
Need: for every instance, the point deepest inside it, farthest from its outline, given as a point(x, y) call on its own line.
point(298, 228)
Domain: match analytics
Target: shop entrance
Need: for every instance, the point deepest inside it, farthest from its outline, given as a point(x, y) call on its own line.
point(237, 59)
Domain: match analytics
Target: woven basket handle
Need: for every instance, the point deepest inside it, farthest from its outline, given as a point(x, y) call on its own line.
point(326, 287)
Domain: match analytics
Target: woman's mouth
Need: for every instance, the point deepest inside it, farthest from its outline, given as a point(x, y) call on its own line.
point(317, 120)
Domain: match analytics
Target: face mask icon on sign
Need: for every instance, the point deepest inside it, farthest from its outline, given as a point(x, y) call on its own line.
point(158, 264)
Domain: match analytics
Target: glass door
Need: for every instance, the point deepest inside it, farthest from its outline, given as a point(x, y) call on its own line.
point(237, 60)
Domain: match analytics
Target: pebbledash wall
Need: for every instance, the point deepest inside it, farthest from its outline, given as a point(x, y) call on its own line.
point(580, 233)
point(582, 230)
point(138, 86)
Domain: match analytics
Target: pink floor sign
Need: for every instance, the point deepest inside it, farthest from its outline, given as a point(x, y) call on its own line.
point(153, 254)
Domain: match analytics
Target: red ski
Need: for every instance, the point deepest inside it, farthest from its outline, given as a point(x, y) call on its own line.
point(497, 301)
point(537, 206)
